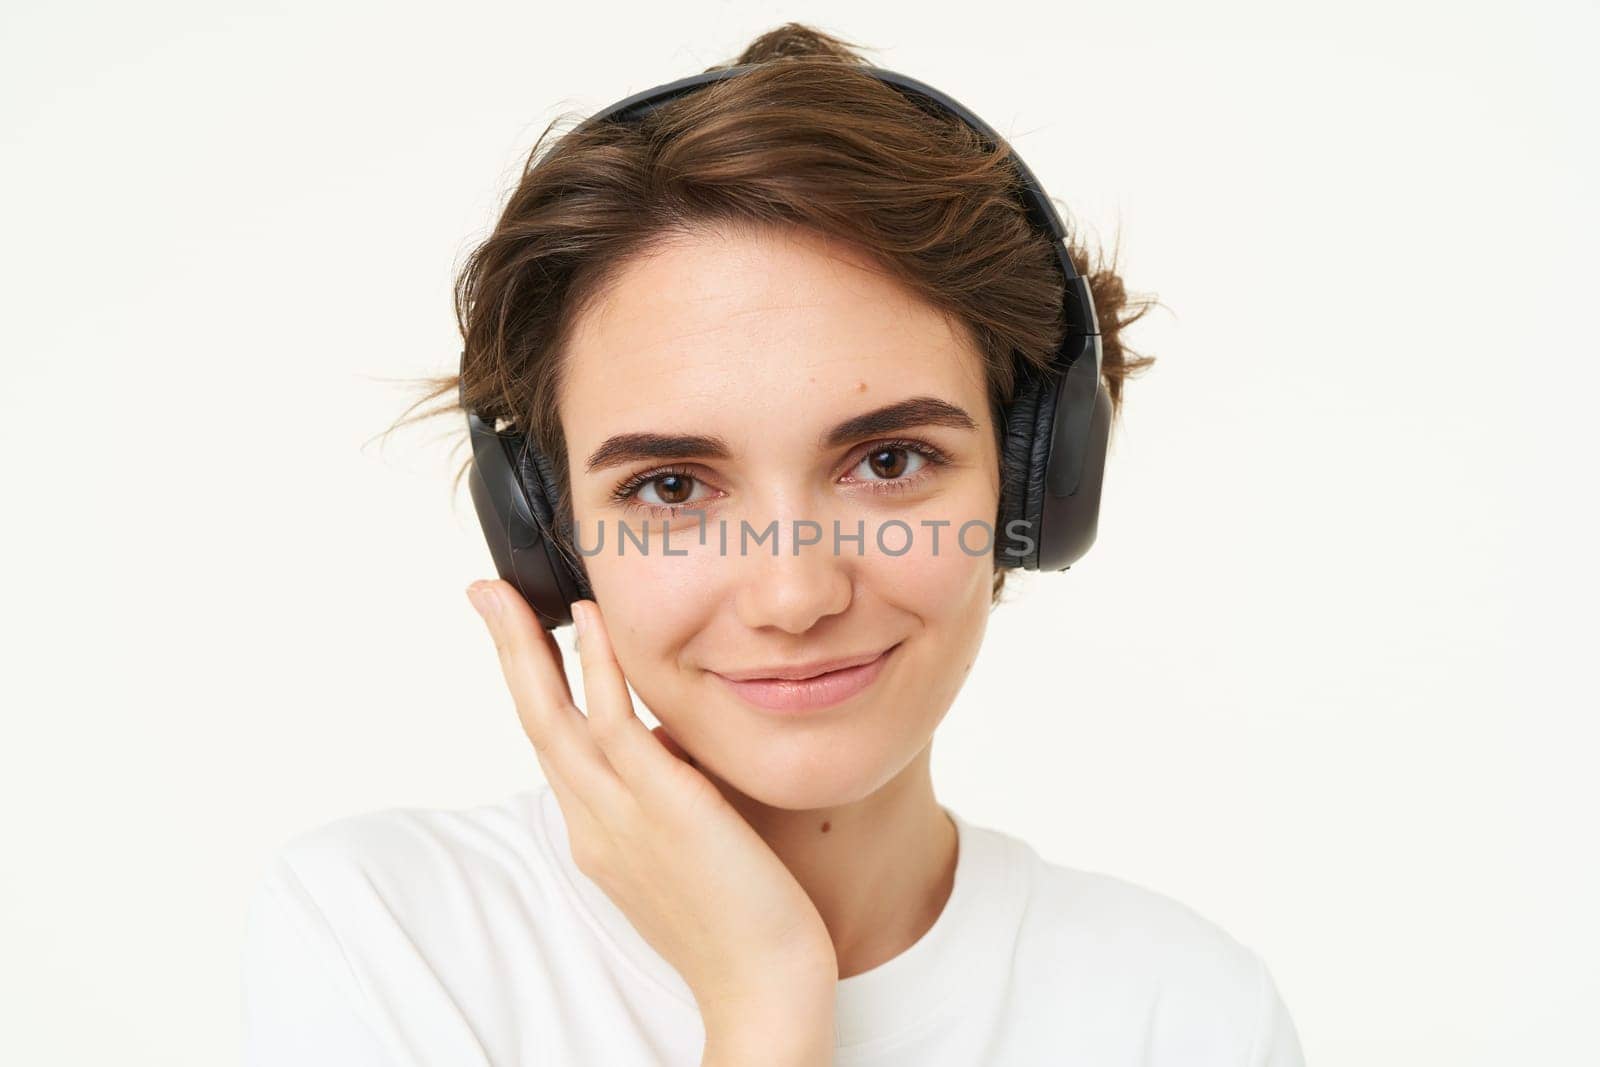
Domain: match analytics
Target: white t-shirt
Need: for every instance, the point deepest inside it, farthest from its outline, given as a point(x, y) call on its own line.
point(469, 937)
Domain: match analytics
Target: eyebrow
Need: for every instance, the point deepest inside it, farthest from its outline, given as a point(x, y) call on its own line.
point(902, 415)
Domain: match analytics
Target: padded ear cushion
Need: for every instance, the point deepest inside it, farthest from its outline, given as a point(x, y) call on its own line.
point(1044, 414)
point(1021, 471)
point(540, 487)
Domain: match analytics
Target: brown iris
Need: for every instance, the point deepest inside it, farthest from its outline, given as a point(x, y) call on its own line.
point(893, 465)
point(669, 486)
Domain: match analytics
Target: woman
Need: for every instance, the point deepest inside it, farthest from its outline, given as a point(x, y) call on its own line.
point(797, 299)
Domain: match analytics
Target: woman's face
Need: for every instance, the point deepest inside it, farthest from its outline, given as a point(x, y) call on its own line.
point(767, 345)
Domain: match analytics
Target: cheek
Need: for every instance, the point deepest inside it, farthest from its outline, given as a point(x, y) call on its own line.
point(947, 575)
point(949, 595)
point(938, 579)
point(653, 604)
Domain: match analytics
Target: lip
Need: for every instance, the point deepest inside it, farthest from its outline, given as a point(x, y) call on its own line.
point(820, 690)
point(800, 671)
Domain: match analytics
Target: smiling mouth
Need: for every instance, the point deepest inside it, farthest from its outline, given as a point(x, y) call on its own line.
point(817, 691)
point(802, 672)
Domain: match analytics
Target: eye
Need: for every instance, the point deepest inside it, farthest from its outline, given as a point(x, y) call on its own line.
point(896, 461)
point(672, 489)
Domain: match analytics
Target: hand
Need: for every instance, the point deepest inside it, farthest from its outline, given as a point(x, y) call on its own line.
point(696, 881)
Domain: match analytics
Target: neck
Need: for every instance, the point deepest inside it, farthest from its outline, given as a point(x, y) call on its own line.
point(879, 870)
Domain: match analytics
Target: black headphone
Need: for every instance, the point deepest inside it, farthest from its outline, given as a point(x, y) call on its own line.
point(1052, 455)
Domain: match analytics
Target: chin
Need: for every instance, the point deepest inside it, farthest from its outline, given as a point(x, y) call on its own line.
point(824, 770)
point(830, 758)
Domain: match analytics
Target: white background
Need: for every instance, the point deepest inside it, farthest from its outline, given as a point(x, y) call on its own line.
point(1325, 677)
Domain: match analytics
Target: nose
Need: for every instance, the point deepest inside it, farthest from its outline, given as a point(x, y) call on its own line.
point(791, 591)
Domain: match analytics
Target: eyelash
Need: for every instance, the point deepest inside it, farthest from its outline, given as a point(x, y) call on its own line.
point(934, 457)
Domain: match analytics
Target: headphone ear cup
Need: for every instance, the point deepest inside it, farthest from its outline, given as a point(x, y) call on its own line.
point(1077, 432)
point(1054, 463)
point(541, 486)
point(513, 509)
point(1017, 545)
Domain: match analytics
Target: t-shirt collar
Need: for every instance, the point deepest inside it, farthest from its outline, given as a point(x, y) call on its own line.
point(968, 947)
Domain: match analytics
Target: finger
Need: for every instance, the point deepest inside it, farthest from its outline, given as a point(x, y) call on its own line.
point(670, 743)
point(627, 743)
point(554, 646)
point(543, 700)
point(586, 835)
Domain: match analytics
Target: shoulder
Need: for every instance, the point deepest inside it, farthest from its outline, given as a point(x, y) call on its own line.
point(1200, 992)
point(362, 932)
point(412, 871)
point(404, 852)
point(1149, 930)
point(397, 882)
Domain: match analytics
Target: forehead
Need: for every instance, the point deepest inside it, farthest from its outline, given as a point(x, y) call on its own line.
point(760, 333)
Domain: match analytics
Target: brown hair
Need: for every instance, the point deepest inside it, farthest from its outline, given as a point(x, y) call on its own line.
point(806, 139)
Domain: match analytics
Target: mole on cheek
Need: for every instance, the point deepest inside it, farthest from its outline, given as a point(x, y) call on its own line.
point(825, 827)
point(861, 387)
